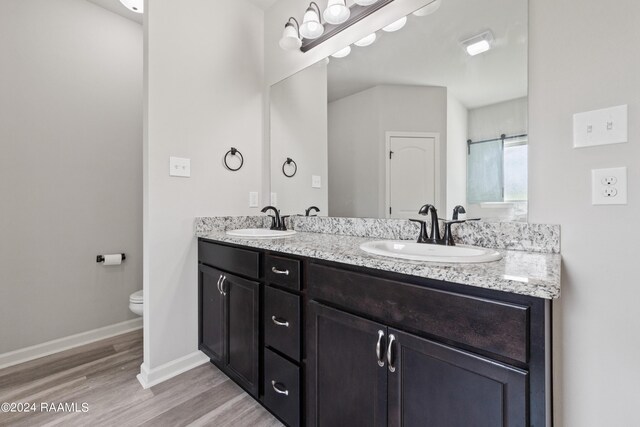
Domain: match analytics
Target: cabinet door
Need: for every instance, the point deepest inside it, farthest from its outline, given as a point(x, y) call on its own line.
point(212, 326)
point(438, 386)
point(242, 328)
point(346, 382)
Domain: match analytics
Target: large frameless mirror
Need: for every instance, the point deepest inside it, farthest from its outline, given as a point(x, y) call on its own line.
point(432, 109)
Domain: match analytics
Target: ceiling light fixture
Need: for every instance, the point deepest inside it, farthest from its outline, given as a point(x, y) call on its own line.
point(365, 2)
point(428, 9)
point(367, 41)
point(395, 26)
point(342, 52)
point(312, 27)
point(478, 44)
point(336, 12)
point(291, 35)
point(136, 6)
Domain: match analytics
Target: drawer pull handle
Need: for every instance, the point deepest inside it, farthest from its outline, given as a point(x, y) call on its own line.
point(392, 368)
point(222, 286)
point(379, 354)
point(219, 279)
point(275, 270)
point(278, 322)
point(278, 388)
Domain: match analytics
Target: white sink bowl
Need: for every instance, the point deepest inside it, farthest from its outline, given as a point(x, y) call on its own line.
point(413, 251)
point(260, 233)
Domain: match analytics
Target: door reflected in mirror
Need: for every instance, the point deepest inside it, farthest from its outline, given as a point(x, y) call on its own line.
point(435, 112)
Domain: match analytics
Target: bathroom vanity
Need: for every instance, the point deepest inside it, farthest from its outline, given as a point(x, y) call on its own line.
point(321, 333)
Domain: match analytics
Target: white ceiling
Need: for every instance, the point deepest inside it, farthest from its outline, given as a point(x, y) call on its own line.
point(117, 7)
point(427, 51)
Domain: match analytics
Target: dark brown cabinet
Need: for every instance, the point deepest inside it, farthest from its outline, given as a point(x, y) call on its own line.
point(230, 326)
point(439, 386)
point(362, 373)
point(346, 381)
point(326, 344)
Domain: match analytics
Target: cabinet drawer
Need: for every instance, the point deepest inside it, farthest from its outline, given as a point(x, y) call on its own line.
point(282, 322)
point(492, 326)
point(282, 388)
point(232, 260)
point(283, 271)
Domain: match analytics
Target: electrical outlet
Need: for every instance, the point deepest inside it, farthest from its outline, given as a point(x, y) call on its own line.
point(274, 199)
point(316, 181)
point(609, 186)
point(253, 199)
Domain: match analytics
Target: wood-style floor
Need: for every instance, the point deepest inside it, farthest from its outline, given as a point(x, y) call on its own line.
point(103, 375)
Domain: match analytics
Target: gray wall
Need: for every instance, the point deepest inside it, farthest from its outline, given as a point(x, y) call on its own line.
point(204, 95)
point(584, 56)
point(70, 176)
point(299, 131)
point(357, 127)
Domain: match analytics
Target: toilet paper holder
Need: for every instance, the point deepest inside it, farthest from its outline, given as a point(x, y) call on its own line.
point(100, 258)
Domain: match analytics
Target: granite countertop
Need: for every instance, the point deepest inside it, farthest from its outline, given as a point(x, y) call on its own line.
point(519, 272)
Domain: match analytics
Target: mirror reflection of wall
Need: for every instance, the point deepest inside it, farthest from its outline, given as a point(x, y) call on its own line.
point(400, 113)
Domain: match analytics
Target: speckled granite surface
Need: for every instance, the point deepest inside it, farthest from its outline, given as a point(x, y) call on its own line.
point(526, 273)
point(503, 235)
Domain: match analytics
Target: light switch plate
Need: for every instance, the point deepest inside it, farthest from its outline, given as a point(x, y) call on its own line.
point(253, 199)
point(179, 166)
point(600, 127)
point(609, 186)
point(316, 181)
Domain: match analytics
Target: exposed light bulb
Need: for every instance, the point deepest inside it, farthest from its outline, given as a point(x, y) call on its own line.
point(342, 52)
point(367, 41)
point(395, 26)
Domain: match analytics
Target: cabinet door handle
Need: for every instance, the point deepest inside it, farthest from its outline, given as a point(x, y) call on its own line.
point(278, 388)
point(379, 354)
point(222, 286)
point(392, 368)
point(275, 270)
point(279, 322)
point(219, 279)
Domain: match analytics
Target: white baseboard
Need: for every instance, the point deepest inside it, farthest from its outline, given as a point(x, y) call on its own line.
point(150, 377)
point(45, 349)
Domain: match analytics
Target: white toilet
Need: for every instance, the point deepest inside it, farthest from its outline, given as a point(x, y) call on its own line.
point(136, 302)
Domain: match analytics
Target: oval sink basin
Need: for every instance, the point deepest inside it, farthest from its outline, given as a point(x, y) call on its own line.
point(413, 251)
point(260, 233)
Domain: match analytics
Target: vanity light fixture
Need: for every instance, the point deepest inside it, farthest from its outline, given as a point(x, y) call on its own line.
point(428, 9)
point(395, 26)
point(291, 35)
point(478, 44)
point(136, 6)
point(367, 41)
point(336, 12)
point(312, 27)
point(318, 26)
point(342, 52)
